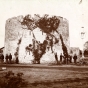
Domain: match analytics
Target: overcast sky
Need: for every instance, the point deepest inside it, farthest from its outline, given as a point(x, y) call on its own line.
point(75, 13)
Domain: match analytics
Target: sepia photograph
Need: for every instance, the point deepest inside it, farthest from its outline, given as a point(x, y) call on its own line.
point(43, 44)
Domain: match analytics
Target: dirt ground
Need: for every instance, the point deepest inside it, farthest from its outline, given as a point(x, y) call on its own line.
point(52, 78)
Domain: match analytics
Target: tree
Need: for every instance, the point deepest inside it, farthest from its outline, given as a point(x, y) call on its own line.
point(47, 25)
point(64, 48)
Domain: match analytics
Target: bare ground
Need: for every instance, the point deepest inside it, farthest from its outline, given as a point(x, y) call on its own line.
point(52, 78)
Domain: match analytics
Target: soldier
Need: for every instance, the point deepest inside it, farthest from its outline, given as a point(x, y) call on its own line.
point(17, 60)
point(65, 58)
point(10, 58)
point(75, 58)
point(2, 58)
point(6, 58)
point(61, 56)
point(70, 58)
point(56, 57)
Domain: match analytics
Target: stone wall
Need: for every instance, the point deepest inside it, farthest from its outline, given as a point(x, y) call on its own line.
point(14, 31)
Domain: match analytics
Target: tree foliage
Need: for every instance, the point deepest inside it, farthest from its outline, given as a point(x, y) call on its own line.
point(29, 22)
point(48, 24)
point(45, 23)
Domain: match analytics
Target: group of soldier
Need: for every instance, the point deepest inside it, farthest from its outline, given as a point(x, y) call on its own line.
point(66, 60)
point(8, 58)
point(63, 59)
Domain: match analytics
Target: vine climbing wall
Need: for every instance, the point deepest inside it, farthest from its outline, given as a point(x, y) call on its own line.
point(20, 32)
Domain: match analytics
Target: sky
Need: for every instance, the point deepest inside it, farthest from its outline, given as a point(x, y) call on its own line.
point(76, 13)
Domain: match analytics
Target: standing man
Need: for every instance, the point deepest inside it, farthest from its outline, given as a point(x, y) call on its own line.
point(56, 57)
point(10, 58)
point(70, 58)
point(61, 56)
point(16, 57)
point(6, 57)
point(2, 58)
point(65, 58)
point(75, 58)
